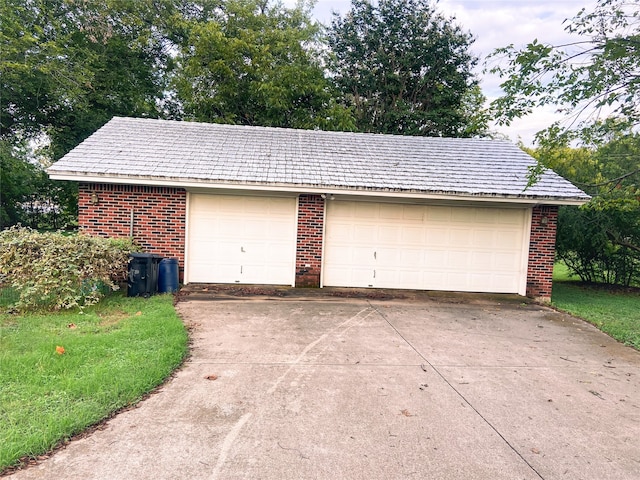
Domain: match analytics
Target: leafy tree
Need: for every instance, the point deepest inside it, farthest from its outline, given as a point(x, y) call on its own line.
point(404, 68)
point(67, 67)
point(17, 178)
point(256, 63)
point(600, 241)
point(27, 196)
point(597, 74)
point(595, 81)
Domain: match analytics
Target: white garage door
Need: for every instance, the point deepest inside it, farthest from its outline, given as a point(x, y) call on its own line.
point(425, 247)
point(241, 239)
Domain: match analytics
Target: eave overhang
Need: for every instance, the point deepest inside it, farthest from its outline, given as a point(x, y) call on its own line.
point(200, 184)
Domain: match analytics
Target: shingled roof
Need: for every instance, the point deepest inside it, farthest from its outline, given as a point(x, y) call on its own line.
point(161, 152)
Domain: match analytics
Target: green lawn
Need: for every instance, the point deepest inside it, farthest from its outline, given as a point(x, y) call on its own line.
point(114, 353)
point(614, 311)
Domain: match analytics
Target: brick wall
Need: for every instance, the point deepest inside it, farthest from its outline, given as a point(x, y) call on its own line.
point(309, 243)
point(542, 252)
point(159, 215)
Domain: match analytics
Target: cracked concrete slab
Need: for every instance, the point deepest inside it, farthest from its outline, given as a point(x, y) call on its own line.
point(330, 388)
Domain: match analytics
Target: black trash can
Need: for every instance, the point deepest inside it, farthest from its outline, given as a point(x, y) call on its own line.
point(143, 274)
point(168, 275)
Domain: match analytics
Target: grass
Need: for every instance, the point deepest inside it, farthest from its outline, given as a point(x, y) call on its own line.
point(114, 353)
point(614, 311)
point(8, 296)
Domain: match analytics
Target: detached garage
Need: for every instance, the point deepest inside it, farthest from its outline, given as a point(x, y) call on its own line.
point(254, 205)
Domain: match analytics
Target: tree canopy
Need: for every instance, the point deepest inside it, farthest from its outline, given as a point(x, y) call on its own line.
point(68, 66)
point(254, 63)
point(404, 68)
point(595, 81)
point(600, 241)
point(594, 78)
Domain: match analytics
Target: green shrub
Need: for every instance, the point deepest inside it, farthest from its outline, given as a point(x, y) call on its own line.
point(599, 241)
point(56, 271)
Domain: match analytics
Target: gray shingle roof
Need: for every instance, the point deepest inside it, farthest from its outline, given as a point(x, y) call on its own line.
point(213, 154)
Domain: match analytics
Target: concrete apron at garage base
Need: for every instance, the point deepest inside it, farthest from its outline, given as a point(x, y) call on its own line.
point(332, 388)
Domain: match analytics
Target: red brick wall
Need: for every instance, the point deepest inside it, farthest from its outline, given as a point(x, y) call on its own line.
point(542, 252)
point(309, 243)
point(159, 216)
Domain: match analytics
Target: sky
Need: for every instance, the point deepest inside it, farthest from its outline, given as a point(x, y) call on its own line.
point(494, 24)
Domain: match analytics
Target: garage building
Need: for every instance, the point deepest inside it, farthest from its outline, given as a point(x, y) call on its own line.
point(255, 205)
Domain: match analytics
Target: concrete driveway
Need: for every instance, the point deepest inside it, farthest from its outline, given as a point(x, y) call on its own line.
point(450, 387)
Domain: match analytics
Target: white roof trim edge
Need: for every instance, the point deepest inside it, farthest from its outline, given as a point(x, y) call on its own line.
point(538, 200)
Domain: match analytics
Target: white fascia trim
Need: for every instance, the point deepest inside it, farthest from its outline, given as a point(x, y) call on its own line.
point(526, 245)
point(186, 184)
point(187, 237)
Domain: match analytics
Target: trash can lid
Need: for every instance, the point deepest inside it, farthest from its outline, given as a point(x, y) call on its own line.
point(140, 255)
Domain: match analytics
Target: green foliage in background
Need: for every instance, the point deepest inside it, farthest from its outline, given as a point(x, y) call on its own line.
point(595, 80)
point(404, 68)
point(593, 77)
point(600, 241)
point(66, 68)
point(257, 63)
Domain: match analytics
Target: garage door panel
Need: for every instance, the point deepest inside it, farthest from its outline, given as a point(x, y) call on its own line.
point(437, 237)
point(509, 217)
point(458, 280)
point(504, 261)
point(425, 247)
point(364, 233)
point(483, 260)
point(412, 236)
point(460, 237)
point(459, 259)
point(388, 233)
point(362, 256)
point(433, 280)
point(435, 259)
point(341, 232)
point(463, 215)
point(388, 212)
point(388, 256)
point(241, 239)
point(411, 256)
point(414, 213)
point(506, 239)
point(486, 217)
point(483, 239)
point(365, 210)
point(438, 214)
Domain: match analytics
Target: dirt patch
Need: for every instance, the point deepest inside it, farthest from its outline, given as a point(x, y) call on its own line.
point(214, 290)
point(221, 291)
point(369, 294)
point(235, 290)
point(112, 318)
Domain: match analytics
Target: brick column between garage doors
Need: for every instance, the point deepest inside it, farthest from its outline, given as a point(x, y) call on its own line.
point(309, 240)
point(542, 249)
point(159, 216)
